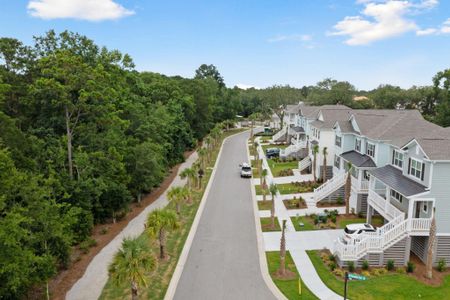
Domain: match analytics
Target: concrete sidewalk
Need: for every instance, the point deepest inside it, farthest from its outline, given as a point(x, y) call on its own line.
point(90, 286)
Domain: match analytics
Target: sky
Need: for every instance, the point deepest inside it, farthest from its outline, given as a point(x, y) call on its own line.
point(257, 43)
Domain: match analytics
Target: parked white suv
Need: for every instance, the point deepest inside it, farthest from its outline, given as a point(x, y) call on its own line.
point(352, 232)
point(246, 170)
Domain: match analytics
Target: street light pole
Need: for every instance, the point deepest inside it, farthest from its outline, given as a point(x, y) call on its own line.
point(345, 285)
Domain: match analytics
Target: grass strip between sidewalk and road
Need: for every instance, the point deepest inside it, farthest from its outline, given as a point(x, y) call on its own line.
point(159, 280)
point(289, 287)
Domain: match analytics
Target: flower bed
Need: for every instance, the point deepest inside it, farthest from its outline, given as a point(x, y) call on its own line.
point(295, 203)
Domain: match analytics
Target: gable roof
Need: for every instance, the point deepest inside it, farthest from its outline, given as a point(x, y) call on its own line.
point(331, 114)
point(394, 178)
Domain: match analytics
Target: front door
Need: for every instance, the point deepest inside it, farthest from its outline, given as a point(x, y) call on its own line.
point(417, 214)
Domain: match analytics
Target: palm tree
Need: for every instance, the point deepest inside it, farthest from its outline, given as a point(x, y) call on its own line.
point(202, 152)
point(282, 270)
point(189, 174)
point(264, 173)
point(315, 151)
point(131, 264)
point(348, 188)
point(431, 247)
point(324, 170)
point(273, 191)
point(158, 223)
point(175, 195)
point(186, 194)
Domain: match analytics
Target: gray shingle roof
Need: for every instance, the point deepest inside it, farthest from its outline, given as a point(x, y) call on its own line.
point(358, 159)
point(436, 148)
point(394, 178)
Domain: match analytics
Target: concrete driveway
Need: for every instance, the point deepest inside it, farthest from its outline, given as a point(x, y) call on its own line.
point(223, 261)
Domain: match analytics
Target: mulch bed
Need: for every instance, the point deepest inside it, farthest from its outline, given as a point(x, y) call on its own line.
point(300, 203)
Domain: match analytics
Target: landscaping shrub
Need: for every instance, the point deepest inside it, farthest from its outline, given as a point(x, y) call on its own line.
point(332, 266)
point(442, 265)
point(87, 244)
point(331, 257)
point(339, 272)
point(339, 200)
point(333, 218)
point(316, 220)
point(378, 272)
point(360, 214)
point(390, 265)
point(104, 230)
point(365, 273)
point(325, 257)
point(410, 267)
point(401, 270)
point(365, 265)
point(332, 225)
point(351, 266)
point(286, 172)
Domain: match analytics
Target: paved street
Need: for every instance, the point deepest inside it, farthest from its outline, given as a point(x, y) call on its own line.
point(223, 259)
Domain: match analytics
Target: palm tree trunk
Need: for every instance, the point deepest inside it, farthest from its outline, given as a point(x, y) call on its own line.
point(282, 270)
point(348, 189)
point(272, 212)
point(431, 247)
point(324, 171)
point(178, 208)
point(134, 291)
point(162, 243)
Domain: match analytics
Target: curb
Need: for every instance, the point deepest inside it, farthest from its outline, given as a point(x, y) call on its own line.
point(170, 293)
point(262, 254)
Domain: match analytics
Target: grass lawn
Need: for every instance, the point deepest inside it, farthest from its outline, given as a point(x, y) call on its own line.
point(277, 167)
point(390, 286)
point(265, 205)
point(266, 222)
point(376, 221)
point(159, 280)
point(289, 287)
point(291, 188)
point(266, 138)
point(307, 222)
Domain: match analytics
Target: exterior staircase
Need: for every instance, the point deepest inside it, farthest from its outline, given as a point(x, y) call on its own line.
point(292, 149)
point(330, 186)
point(280, 135)
point(304, 163)
point(385, 237)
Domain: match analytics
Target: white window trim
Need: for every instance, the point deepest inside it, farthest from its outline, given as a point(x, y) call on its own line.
point(393, 159)
point(374, 149)
point(360, 145)
point(401, 196)
point(410, 168)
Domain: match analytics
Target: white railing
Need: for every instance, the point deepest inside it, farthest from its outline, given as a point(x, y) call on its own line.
point(304, 163)
point(292, 149)
point(360, 186)
point(329, 187)
point(384, 237)
point(383, 206)
point(279, 134)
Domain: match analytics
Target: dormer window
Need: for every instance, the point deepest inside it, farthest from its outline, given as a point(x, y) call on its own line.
point(338, 141)
point(358, 145)
point(416, 168)
point(397, 159)
point(370, 149)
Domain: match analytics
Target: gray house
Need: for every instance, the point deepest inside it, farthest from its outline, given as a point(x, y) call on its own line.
point(401, 171)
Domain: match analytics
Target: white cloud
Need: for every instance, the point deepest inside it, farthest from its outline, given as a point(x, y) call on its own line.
point(292, 37)
point(91, 10)
point(428, 31)
point(388, 21)
point(382, 19)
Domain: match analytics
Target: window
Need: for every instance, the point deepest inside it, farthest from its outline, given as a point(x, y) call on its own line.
point(355, 172)
point(366, 175)
point(337, 161)
point(396, 196)
point(416, 168)
point(338, 141)
point(358, 145)
point(397, 159)
point(370, 149)
point(425, 208)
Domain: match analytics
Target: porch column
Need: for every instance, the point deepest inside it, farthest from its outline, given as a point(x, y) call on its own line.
point(410, 208)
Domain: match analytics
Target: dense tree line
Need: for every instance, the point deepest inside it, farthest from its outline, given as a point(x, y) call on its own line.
point(82, 135)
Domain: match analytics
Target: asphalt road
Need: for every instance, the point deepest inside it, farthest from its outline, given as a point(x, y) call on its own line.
point(223, 260)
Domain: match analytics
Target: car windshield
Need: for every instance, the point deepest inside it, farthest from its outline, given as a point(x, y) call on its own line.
point(349, 231)
point(246, 169)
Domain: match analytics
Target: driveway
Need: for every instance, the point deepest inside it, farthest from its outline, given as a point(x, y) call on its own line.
point(223, 261)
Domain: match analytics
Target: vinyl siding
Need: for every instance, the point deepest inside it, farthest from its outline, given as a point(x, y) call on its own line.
point(411, 153)
point(440, 191)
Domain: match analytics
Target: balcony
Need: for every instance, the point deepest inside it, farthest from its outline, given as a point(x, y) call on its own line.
point(360, 186)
